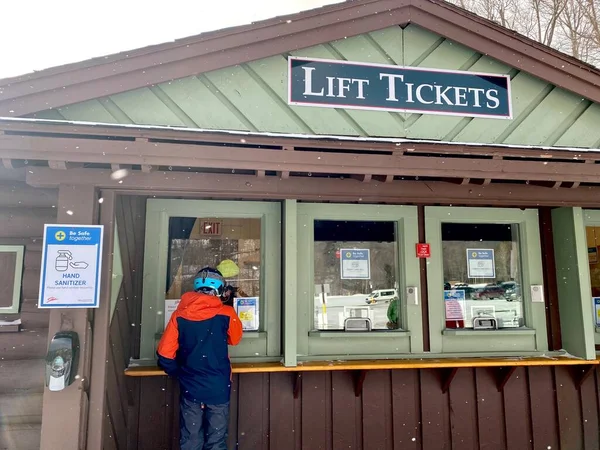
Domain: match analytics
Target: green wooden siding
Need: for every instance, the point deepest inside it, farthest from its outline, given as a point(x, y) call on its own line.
point(253, 97)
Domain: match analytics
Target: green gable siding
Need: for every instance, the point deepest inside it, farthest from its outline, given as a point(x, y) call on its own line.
point(253, 97)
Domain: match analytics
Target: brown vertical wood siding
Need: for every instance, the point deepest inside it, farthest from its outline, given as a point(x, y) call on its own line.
point(540, 408)
point(122, 407)
point(23, 213)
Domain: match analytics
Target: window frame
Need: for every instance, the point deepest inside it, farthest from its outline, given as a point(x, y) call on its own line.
point(19, 250)
point(314, 344)
point(531, 339)
point(591, 218)
point(255, 344)
point(117, 273)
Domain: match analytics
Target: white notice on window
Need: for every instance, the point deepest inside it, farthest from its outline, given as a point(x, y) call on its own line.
point(355, 264)
point(170, 307)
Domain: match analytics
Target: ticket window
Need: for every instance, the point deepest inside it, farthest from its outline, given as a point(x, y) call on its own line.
point(355, 263)
point(230, 244)
point(482, 276)
point(484, 280)
point(241, 240)
point(355, 274)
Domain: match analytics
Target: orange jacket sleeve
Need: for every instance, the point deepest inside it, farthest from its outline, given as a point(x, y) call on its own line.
point(234, 333)
point(168, 346)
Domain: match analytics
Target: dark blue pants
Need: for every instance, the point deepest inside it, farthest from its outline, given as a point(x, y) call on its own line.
point(202, 426)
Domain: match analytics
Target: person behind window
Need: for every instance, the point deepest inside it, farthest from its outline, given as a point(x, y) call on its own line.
point(230, 269)
point(194, 349)
point(392, 314)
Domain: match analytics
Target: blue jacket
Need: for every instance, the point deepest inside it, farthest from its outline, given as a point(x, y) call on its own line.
point(194, 349)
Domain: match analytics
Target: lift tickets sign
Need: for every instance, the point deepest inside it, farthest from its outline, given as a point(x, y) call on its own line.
point(71, 262)
point(352, 85)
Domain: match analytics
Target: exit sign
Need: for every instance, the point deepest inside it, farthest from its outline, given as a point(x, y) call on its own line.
point(211, 228)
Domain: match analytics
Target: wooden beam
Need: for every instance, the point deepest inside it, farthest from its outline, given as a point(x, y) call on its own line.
point(503, 374)
point(64, 165)
point(223, 157)
point(385, 364)
point(581, 373)
point(366, 178)
point(10, 163)
point(297, 379)
point(447, 375)
point(17, 194)
point(101, 331)
point(115, 167)
point(304, 188)
point(80, 202)
point(146, 168)
point(183, 136)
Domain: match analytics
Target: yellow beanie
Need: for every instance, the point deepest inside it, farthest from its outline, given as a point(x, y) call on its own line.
point(228, 268)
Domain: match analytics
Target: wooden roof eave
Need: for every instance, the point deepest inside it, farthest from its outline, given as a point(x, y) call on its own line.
point(193, 185)
point(211, 51)
point(318, 157)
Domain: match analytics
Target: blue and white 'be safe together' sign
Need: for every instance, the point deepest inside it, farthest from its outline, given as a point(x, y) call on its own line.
point(481, 263)
point(355, 264)
point(71, 263)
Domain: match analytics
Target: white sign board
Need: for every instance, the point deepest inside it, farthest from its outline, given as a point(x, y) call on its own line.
point(71, 265)
point(355, 264)
point(481, 263)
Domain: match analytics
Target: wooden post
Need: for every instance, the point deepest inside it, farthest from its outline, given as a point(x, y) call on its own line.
point(64, 414)
point(290, 306)
point(101, 328)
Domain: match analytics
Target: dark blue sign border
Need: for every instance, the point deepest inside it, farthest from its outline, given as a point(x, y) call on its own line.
point(299, 99)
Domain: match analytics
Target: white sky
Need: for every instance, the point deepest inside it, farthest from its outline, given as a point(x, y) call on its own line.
point(37, 34)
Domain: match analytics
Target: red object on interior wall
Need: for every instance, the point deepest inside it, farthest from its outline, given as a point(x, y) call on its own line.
point(423, 251)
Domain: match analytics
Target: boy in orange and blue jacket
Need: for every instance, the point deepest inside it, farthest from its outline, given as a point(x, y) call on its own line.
point(194, 349)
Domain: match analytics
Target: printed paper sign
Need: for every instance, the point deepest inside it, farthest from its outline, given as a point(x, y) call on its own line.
point(454, 300)
point(170, 307)
point(247, 310)
point(481, 263)
point(71, 264)
point(355, 264)
point(597, 310)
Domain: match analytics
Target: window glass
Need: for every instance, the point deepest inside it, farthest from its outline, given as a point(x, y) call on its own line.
point(355, 275)
point(232, 245)
point(482, 276)
point(593, 244)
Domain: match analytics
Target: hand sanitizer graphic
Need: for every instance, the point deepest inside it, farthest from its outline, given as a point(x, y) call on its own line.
point(62, 260)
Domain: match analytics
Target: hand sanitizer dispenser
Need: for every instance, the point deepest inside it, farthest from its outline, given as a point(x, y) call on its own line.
point(61, 360)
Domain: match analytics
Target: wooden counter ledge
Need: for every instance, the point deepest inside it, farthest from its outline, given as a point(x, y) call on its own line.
point(504, 366)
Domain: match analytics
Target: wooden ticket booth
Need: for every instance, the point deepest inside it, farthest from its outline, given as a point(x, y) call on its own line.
point(409, 194)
